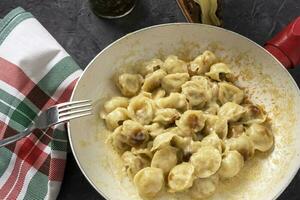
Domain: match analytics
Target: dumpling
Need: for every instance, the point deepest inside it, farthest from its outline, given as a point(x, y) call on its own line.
point(150, 66)
point(130, 84)
point(194, 147)
point(207, 161)
point(114, 103)
point(153, 80)
point(166, 116)
point(174, 65)
point(211, 108)
point(165, 159)
point(170, 137)
point(149, 181)
point(204, 187)
point(214, 141)
point(144, 94)
point(162, 140)
point(235, 130)
point(173, 82)
point(261, 137)
point(158, 93)
point(155, 129)
point(230, 93)
point(180, 142)
point(202, 63)
point(143, 152)
point(231, 111)
point(119, 141)
point(181, 177)
point(187, 147)
point(242, 144)
point(116, 118)
point(135, 133)
point(174, 100)
point(253, 114)
point(191, 122)
point(220, 72)
point(141, 109)
point(196, 93)
point(216, 124)
point(214, 90)
point(202, 79)
point(208, 84)
point(231, 164)
point(134, 163)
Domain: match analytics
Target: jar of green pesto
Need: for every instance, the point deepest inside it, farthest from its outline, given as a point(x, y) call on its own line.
point(112, 8)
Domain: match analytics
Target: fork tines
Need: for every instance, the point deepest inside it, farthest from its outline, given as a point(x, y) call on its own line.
point(75, 109)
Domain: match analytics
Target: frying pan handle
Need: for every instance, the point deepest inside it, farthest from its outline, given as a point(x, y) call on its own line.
point(285, 46)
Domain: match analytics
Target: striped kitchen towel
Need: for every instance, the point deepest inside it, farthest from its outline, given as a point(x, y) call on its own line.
point(35, 73)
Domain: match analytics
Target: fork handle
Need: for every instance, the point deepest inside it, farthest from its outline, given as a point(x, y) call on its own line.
point(16, 137)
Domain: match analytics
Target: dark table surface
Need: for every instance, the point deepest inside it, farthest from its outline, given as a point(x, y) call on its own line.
point(84, 35)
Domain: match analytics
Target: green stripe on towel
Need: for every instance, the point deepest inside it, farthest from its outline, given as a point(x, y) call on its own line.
point(10, 16)
point(24, 106)
point(37, 188)
point(6, 155)
point(12, 24)
point(59, 72)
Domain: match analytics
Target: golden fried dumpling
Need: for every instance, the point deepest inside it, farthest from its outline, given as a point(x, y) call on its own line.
point(149, 181)
point(173, 82)
point(166, 116)
point(201, 64)
point(207, 161)
point(174, 65)
point(174, 100)
point(191, 122)
point(232, 163)
point(116, 118)
point(261, 137)
point(141, 109)
point(130, 84)
point(165, 159)
point(243, 144)
point(230, 93)
point(219, 72)
point(204, 187)
point(181, 177)
point(231, 111)
point(134, 163)
point(153, 80)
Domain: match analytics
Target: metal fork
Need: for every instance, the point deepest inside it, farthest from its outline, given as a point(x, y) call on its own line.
point(54, 115)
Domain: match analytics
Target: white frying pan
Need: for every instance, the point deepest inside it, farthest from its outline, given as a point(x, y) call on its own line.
point(267, 80)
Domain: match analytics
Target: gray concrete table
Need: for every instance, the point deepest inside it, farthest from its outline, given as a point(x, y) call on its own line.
point(83, 35)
